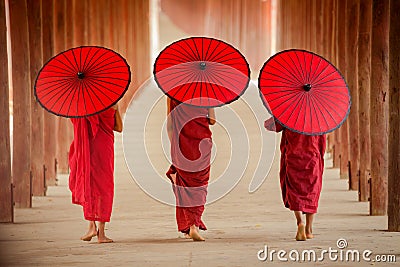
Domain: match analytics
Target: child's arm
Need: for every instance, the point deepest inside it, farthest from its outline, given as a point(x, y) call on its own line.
point(211, 116)
point(118, 125)
point(272, 125)
point(169, 119)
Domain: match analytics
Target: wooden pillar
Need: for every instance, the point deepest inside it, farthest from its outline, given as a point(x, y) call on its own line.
point(334, 60)
point(6, 201)
point(49, 120)
point(63, 124)
point(21, 167)
point(379, 107)
point(94, 8)
point(326, 45)
point(313, 29)
point(364, 76)
point(37, 137)
point(352, 7)
point(70, 17)
point(78, 22)
point(394, 119)
point(344, 133)
point(320, 24)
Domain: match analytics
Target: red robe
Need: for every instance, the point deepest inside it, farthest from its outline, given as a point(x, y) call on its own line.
point(91, 160)
point(190, 152)
point(302, 166)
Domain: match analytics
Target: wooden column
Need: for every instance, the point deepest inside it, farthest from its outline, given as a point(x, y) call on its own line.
point(69, 24)
point(49, 120)
point(394, 119)
point(78, 22)
point(63, 124)
point(313, 30)
point(320, 24)
point(21, 167)
point(37, 136)
point(364, 76)
point(344, 133)
point(94, 8)
point(334, 61)
point(352, 7)
point(6, 201)
point(379, 107)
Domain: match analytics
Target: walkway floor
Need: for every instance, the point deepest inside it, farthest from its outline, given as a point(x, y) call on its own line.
point(240, 225)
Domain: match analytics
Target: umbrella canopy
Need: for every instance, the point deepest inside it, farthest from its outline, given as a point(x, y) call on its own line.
point(202, 71)
point(82, 81)
point(304, 92)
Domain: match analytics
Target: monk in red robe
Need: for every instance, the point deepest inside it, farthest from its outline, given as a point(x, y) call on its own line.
point(91, 160)
point(191, 143)
point(302, 166)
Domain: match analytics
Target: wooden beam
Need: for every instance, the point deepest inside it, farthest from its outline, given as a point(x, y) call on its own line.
point(21, 166)
point(379, 107)
point(6, 201)
point(352, 7)
point(37, 136)
point(394, 119)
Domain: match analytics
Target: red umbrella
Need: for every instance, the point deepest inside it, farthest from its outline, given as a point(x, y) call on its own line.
point(82, 81)
point(202, 71)
point(304, 92)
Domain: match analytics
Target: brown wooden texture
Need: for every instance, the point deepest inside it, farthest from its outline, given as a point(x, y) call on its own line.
point(379, 107)
point(21, 167)
point(238, 22)
point(139, 49)
point(394, 119)
point(364, 76)
point(6, 202)
point(64, 128)
point(334, 60)
point(352, 7)
point(344, 133)
point(78, 23)
point(49, 120)
point(37, 137)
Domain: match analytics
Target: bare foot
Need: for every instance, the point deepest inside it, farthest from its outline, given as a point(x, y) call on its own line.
point(309, 234)
point(104, 240)
point(88, 236)
point(301, 233)
point(101, 238)
point(183, 235)
point(194, 234)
